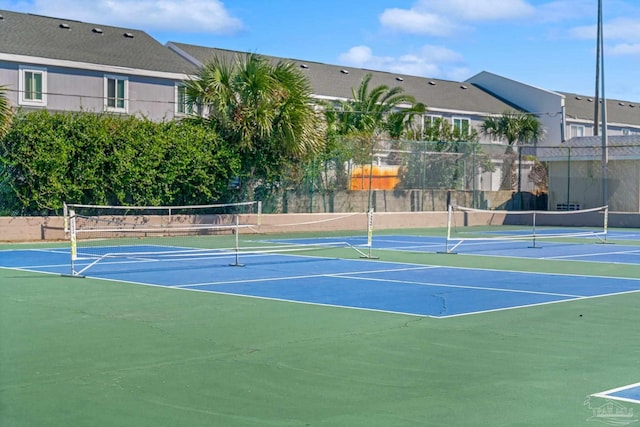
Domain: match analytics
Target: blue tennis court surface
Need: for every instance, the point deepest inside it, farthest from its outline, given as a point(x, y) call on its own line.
point(628, 393)
point(420, 290)
point(594, 250)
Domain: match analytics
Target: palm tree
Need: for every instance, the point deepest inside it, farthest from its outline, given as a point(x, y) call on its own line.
point(375, 113)
point(6, 113)
point(517, 128)
point(262, 109)
point(354, 126)
point(372, 114)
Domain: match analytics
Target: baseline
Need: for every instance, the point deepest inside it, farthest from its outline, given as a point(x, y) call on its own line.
point(628, 393)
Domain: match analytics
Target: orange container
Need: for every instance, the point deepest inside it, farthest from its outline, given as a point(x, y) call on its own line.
point(382, 178)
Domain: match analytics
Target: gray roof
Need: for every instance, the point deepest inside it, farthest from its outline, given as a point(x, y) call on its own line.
point(338, 81)
point(583, 107)
point(64, 39)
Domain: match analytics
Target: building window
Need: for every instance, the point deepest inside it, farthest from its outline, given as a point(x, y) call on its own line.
point(431, 120)
point(431, 126)
point(116, 89)
point(33, 86)
point(576, 131)
point(461, 126)
point(182, 106)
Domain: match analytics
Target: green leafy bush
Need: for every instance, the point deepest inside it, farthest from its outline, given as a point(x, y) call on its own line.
point(47, 159)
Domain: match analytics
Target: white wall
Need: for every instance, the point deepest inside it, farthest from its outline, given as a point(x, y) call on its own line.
point(547, 105)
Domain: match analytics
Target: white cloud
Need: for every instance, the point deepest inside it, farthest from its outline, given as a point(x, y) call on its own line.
point(624, 49)
point(447, 17)
point(584, 32)
point(478, 10)
point(429, 61)
point(565, 10)
point(617, 29)
point(622, 29)
point(440, 54)
point(416, 22)
point(357, 55)
point(166, 15)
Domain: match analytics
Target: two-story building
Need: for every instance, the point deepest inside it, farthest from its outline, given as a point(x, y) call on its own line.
point(67, 65)
point(587, 168)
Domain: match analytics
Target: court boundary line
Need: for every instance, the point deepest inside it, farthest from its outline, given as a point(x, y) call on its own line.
point(414, 266)
point(418, 266)
point(607, 393)
point(634, 251)
point(304, 276)
point(352, 274)
point(515, 307)
point(481, 288)
point(546, 258)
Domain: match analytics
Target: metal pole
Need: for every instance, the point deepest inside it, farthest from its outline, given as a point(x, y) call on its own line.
point(596, 115)
point(568, 177)
point(473, 178)
point(369, 203)
point(605, 149)
point(519, 177)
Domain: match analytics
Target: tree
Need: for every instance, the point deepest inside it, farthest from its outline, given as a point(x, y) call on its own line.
point(6, 113)
point(374, 113)
point(264, 111)
point(441, 156)
point(357, 126)
point(517, 128)
point(47, 159)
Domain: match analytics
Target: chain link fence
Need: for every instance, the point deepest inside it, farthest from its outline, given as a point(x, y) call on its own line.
point(417, 176)
point(427, 176)
point(584, 175)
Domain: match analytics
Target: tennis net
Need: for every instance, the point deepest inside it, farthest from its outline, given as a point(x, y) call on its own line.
point(113, 236)
point(485, 226)
point(97, 233)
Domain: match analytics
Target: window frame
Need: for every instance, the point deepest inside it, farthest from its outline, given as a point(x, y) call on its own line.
point(576, 131)
point(461, 119)
point(116, 98)
point(182, 108)
point(23, 91)
point(430, 118)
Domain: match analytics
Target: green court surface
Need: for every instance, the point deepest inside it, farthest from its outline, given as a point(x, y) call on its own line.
point(89, 352)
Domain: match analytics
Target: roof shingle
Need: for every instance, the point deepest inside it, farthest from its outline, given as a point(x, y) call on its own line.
point(331, 81)
point(64, 39)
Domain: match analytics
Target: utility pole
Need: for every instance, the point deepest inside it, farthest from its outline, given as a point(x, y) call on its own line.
point(600, 72)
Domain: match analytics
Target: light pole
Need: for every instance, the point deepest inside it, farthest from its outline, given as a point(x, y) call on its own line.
point(600, 95)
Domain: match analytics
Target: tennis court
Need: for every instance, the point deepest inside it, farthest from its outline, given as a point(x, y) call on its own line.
point(395, 332)
point(370, 284)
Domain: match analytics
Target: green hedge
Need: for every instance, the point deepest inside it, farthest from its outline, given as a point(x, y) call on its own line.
point(47, 159)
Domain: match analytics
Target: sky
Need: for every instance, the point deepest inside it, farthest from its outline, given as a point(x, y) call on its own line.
point(550, 44)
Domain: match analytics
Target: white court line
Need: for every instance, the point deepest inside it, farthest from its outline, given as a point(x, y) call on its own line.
point(476, 254)
point(64, 251)
point(515, 307)
point(349, 275)
point(607, 394)
point(446, 285)
point(306, 276)
point(421, 315)
point(633, 251)
point(412, 267)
